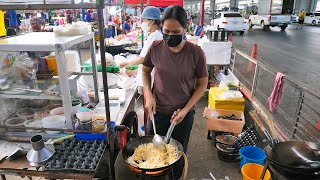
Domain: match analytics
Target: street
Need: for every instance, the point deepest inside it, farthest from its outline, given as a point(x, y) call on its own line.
point(292, 52)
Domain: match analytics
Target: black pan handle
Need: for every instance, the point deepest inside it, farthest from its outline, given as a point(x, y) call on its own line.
point(264, 170)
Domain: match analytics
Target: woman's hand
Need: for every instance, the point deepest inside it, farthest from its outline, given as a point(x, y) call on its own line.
point(124, 64)
point(151, 104)
point(178, 116)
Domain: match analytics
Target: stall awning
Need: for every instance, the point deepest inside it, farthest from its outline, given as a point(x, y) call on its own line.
point(158, 3)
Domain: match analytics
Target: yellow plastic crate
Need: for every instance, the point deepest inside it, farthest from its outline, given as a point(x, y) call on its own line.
point(217, 102)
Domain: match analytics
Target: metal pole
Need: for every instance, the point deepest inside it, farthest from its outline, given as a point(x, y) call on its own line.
point(202, 13)
point(64, 86)
point(94, 70)
point(100, 7)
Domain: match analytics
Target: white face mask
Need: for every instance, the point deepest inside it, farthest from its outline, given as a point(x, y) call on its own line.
point(145, 26)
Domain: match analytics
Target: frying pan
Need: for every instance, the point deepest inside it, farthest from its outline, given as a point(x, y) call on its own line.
point(297, 156)
point(292, 173)
point(129, 148)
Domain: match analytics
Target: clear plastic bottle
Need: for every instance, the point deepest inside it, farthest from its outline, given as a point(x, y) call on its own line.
point(220, 76)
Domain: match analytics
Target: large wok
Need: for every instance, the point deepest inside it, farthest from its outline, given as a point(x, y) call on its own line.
point(129, 148)
point(295, 156)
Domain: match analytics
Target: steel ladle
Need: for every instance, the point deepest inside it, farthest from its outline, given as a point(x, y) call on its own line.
point(157, 139)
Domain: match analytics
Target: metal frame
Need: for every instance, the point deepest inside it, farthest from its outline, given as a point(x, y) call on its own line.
point(62, 43)
point(297, 126)
point(99, 6)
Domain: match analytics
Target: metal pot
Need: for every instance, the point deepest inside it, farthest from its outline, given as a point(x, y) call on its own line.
point(227, 152)
point(226, 139)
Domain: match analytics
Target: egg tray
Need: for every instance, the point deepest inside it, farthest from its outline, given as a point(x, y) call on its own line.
point(247, 138)
point(75, 155)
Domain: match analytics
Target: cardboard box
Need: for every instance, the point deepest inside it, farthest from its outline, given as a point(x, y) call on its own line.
point(224, 125)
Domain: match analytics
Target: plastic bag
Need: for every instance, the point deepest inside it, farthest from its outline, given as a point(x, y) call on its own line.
point(230, 94)
point(229, 81)
point(26, 70)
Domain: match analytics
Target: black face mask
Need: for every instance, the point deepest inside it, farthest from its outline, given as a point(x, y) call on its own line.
point(172, 40)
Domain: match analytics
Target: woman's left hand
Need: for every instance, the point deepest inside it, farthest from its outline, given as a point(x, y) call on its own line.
point(178, 116)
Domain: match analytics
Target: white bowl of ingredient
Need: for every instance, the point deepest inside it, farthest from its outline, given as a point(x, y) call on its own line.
point(55, 121)
point(35, 123)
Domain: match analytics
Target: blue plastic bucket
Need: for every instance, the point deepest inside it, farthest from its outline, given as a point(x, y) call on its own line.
point(251, 154)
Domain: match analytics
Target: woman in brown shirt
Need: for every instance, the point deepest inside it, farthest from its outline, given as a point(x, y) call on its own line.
point(181, 77)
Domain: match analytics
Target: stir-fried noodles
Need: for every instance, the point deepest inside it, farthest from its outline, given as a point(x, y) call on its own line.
point(148, 157)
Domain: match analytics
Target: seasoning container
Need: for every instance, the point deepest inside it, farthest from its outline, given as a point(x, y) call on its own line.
point(35, 123)
point(41, 114)
point(26, 113)
point(86, 126)
point(15, 122)
point(98, 123)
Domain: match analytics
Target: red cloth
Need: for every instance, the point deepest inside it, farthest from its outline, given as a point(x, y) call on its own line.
point(157, 3)
point(276, 95)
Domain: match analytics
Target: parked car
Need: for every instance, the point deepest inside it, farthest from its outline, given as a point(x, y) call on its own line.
point(270, 15)
point(294, 18)
point(230, 21)
point(312, 18)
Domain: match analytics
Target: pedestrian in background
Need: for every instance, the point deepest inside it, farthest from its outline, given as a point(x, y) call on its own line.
point(302, 15)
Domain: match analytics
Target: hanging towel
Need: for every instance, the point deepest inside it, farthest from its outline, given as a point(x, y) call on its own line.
point(276, 95)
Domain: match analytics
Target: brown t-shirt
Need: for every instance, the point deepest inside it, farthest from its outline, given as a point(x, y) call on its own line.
point(175, 74)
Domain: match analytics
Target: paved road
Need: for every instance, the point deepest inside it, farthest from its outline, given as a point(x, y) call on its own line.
point(293, 52)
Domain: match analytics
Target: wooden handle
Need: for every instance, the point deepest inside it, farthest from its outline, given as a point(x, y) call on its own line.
point(257, 121)
point(205, 112)
point(186, 166)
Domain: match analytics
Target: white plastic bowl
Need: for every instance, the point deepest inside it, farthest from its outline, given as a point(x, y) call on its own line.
point(84, 116)
point(35, 123)
point(55, 121)
point(57, 111)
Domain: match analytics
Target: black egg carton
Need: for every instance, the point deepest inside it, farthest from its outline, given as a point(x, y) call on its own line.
point(77, 156)
point(247, 138)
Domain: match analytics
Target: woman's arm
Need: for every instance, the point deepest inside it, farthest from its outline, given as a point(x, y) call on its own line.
point(146, 78)
point(136, 61)
point(198, 93)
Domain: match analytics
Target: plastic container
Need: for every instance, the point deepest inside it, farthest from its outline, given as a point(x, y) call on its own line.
point(84, 116)
point(72, 59)
point(253, 171)
point(217, 53)
point(57, 111)
point(41, 114)
point(114, 110)
point(26, 113)
point(35, 123)
point(55, 121)
point(251, 154)
point(15, 122)
point(52, 64)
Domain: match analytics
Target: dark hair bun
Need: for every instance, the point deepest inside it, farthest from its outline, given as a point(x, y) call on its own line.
point(175, 12)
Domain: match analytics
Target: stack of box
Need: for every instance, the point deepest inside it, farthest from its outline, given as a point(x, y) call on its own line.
point(222, 106)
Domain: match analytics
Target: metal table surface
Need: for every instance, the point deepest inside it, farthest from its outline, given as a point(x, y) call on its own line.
point(41, 41)
point(128, 105)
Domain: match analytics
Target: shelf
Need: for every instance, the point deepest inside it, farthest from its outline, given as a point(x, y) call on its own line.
point(30, 96)
point(44, 85)
point(42, 41)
